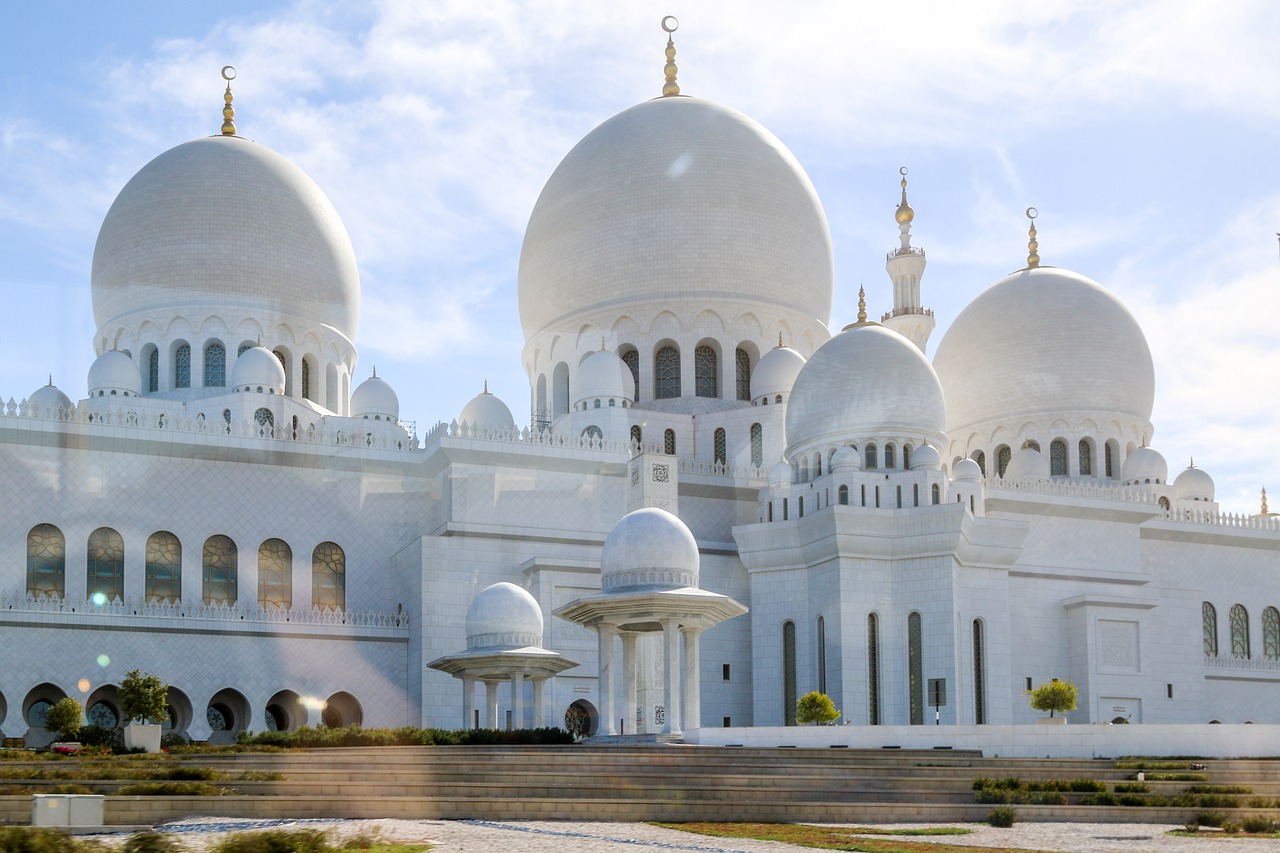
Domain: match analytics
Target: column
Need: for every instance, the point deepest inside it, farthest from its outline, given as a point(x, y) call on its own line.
point(671, 665)
point(692, 679)
point(609, 720)
point(491, 704)
point(468, 700)
point(539, 703)
point(517, 700)
point(629, 666)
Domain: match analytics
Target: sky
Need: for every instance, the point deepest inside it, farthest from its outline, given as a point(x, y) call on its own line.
point(1144, 132)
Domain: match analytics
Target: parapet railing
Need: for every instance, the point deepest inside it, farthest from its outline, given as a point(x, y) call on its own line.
point(1238, 520)
point(1251, 664)
point(215, 611)
point(1126, 494)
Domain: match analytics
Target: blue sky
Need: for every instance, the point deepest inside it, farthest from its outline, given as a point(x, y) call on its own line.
point(1144, 132)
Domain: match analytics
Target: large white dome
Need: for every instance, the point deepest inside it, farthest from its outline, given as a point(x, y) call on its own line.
point(866, 383)
point(1040, 345)
point(649, 547)
point(224, 225)
point(675, 204)
point(504, 615)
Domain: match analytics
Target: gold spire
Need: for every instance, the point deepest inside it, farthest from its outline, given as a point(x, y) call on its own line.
point(905, 214)
point(486, 387)
point(228, 111)
point(50, 380)
point(1033, 245)
point(671, 87)
point(375, 371)
point(1264, 501)
point(602, 343)
point(862, 305)
point(780, 343)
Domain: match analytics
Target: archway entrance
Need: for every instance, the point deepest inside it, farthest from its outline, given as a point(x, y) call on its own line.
point(581, 719)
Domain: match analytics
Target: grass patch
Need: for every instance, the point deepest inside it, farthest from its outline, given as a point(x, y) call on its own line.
point(174, 789)
point(834, 837)
point(26, 839)
point(307, 841)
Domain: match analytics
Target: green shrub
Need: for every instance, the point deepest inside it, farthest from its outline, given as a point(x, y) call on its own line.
point(26, 839)
point(173, 789)
point(1132, 800)
point(143, 697)
point(1102, 799)
point(68, 788)
point(275, 841)
point(1174, 777)
point(151, 842)
point(1054, 696)
point(1258, 824)
point(815, 707)
point(1210, 818)
point(1219, 789)
point(65, 718)
point(1132, 788)
point(189, 774)
point(1002, 816)
point(1191, 826)
point(92, 735)
point(1230, 827)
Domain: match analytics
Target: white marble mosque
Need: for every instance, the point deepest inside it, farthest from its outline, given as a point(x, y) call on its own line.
point(723, 497)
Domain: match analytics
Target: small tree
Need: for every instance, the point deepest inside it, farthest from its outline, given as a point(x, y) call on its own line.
point(64, 718)
point(143, 697)
point(1054, 696)
point(816, 707)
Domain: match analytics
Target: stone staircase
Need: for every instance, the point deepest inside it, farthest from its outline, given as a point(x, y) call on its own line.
point(652, 783)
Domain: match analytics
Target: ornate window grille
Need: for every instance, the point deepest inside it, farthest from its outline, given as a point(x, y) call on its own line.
point(979, 681)
point(275, 573)
point(1239, 618)
point(757, 445)
point(1003, 455)
point(164, 567)
point(329, 576)
point(1271, 634)
point(669, 442)
point(1209, 626)
point(915, 666)
point(873, 669)
point(666, 374)
point(631, 358)
point(981, 459)
point(215, 366)
point(1086, 458)
point(153, 371)
point(705, 370)
point(742, 359)
point(182, 366)
point(789, 697)
point(1058, 458)
point(46, 561)
point(220, 570)
point(721, 450)
point(104, 567)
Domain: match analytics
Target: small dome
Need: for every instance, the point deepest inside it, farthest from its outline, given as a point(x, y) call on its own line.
point(48, 400)
point(776, 372)
point(649, 548)
point(258, 369)
point(1144, 466)
point(1194, 484)
point(604, 376)
point(504, 615)
point(1027, 464)
point(925, 456)
point(966, 469)
point(113, 372)
point(865, 383)
point(846, 458)
point(374, 397)
point(780, 474)
point(487, 411)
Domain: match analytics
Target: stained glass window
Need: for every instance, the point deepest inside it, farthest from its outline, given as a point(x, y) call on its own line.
point(1271, 634)
point(164, 567)
point(873, 669)
point(631, 358)
point(329, 576)
point(705, 370)
point(1209, 620)
point(757, 445)
point(720, 449)
point(742, 360)
point(153, 371)
point(979, 682)
point(105, 564)
point(220, 570)
point(275, 574)
point(871, 457)
point(842, 495)
point(666, 374)
point(215, 366)
point(1239, 631)
point(789, 697)
point(1086, 458)
point(182, 366)
point(889, 457)
point(915, 666)
point(46, 561)
point(1058, 458)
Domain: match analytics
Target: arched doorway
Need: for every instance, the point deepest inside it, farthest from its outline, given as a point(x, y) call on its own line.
point(227, 714)
point(341, 710)
point(284, 712)
point(581, 719)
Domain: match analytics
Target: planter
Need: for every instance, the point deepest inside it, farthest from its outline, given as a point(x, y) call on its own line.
point(1043, 721)
point(145, 737)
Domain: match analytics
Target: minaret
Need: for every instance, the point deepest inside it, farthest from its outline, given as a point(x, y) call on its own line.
point(905, 267)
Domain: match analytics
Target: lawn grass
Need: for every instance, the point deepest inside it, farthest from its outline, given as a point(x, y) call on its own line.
point(839, 837)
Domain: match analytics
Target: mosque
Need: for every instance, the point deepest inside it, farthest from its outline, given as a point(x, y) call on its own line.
point(720, 502)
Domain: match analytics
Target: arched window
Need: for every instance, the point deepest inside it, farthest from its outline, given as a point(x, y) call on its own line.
point(817, 464)
point(215, 366)
point(219, 570)
point(873, 669)
point(757, 445)
point(597, 403)
point(1033, 444)
point(329, 576)
point(906, 457)
point(822, 655)
point(789, 696)
point(637, 436)
point(979, 676)
point(706, 371)
point(666, 373)
point(1108, 456)
point(1271, 634)
point(1003, 455)
point(872, 460)
point(915, 667)
point(104, 565)
point(890, 461)
point(803, 476)
point(266, 422)
point(593, 433)
point(541, 414)
point(226, 417)
point(981, 459)
point(243, 348)
point(306, 378)
point(275, 574)
point(1239, 618)
point(720, 448)
point(1086, 458)
point(164, 567)
point(669, 442)
point(182, 366)
point(1058, 458)
point(742, 362)
point(631, 358)
point(46, 561)
point(842, 495)
point(936, 494)
point(560, 390)
point(153, 370)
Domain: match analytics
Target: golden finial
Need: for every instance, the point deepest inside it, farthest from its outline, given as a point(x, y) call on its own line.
point(671, 87)
point(486, 386)
point(1264, 501)
point(1193, 462)
point(375, 371)
point(780, 343)
point(1033, 245)
point(51, 380)
point(228, 111)
point(905, 214)
point(602, 343)
point(862, 305)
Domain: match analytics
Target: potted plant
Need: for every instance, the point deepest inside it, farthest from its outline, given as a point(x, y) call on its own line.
point(143, 698)
point(64, 720)
point(816, 708)
point(1054, 696)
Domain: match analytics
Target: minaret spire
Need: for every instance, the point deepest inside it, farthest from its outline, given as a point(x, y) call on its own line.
point(228, 111)
point(1033, 245)
point(905, 266)
point(671, 87)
